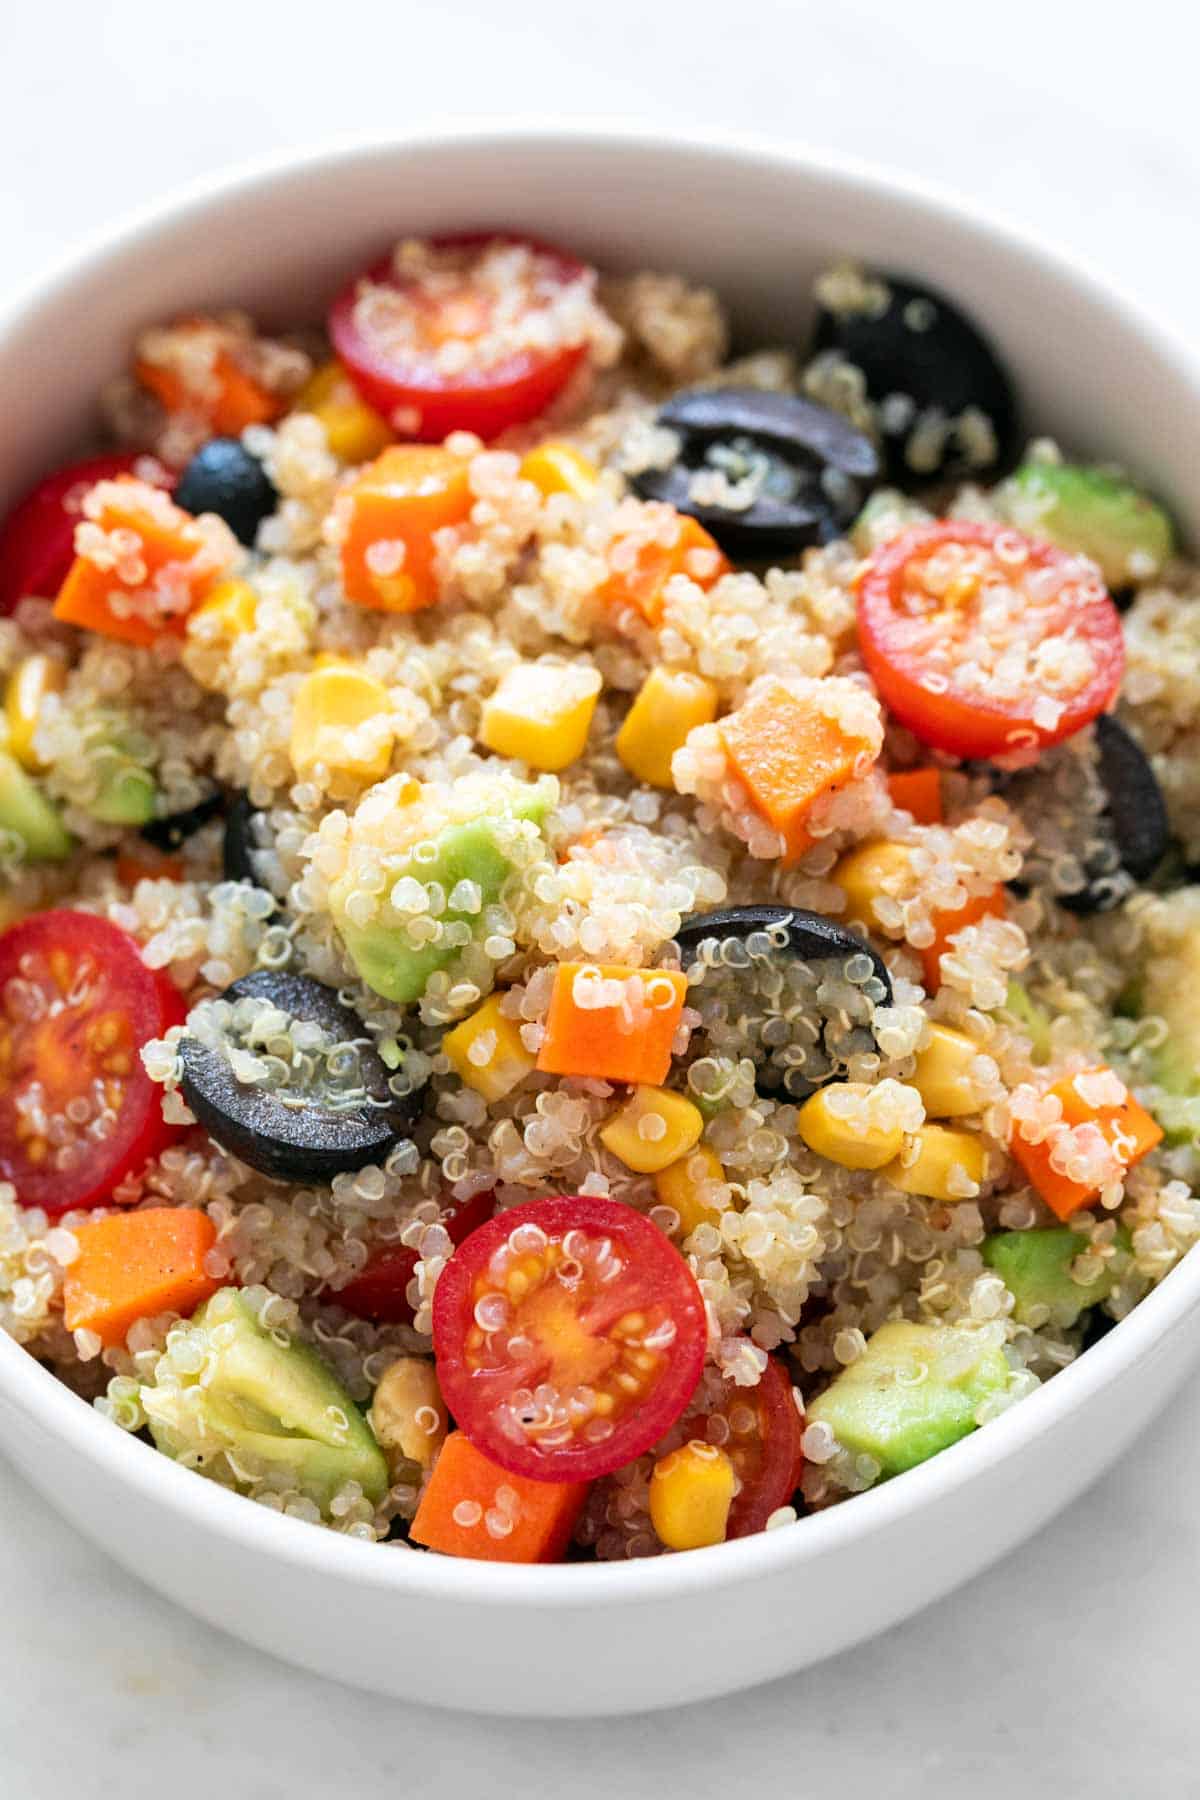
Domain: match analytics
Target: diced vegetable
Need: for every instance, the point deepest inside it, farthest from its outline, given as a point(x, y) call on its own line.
point(654, 1128)
point(1031, 1018)
point(690, 1187)
point(27, 816)
point(144, 565)
point(844, 1123)
point(643, 565)
point(874, 870)
point(1038, 1269)
point(691, 1492)
point(560, 469)
point(229, 612)
point(1093, 512)
point(919, 792)
point(761, 1430)
point(354, 431)
point(947, 926)
point(486, 1051)
point(33, 680)
point(380, 1290)
point(943, 1073)
point(612, 1023)
point(124, 790)
point(541, 712)
point(146, 866)
point(471, 1507)
point(393, 511)
point(408, 1415)
point(789, 755)
point(948, 1165)
point(669, 704)
point(340, 718)
point(1124, 1125)
point(223, 393)
point(914, 1390)
point(136, 1265)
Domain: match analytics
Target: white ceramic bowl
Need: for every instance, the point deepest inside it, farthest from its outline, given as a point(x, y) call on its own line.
point(756, 222)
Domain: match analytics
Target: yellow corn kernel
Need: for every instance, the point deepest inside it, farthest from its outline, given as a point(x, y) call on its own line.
point(27, 687)
point(942, 1076)
point(655, 1127)
point(849, 1137)
point(486, 1051)
point(408, 1414)
point(354, 431)
point(541, 713)
point(943, 1158)
point(229, 612)
point(870, 872)
point(669, 704)
point(691, 1492)
point(687, 1186)
point(334, 721)
point(560, 469)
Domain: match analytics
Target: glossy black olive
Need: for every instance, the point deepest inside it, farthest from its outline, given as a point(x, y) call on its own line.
point(224, 478)
point(1135, 814)
point(169, 833)
point(943, 405)
point(241, 843)
point(811, 938)
point(808, 466)
point(308, 1142)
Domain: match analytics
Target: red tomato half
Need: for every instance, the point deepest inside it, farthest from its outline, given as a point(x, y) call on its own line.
point(985, 643)
point(380, 1292)
point(37, 540)
point(429, 352)
point(760, 1429)
point(569, 1337)
point(77, 1110)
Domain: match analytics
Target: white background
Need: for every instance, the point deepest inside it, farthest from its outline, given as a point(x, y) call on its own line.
point(1071, 1668)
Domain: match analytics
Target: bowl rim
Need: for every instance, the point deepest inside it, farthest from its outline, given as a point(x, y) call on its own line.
point(205, 1506)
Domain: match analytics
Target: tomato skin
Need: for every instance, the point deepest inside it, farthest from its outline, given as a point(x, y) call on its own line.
point(485, 400)
point(960, 722)
point(781, 1431)
point(143, 999)
point(380, 1291)
point(654, 1280)
point(37, 540)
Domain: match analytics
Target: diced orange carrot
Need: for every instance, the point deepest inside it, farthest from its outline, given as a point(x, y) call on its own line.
point(627, 1037)
point(132, 869)
point(474, 1508)
point(394, 508)
point(948, 924)
point(1128, 1128)
point(694, 553)
point(147, 552)
point(227, 396)
point(134, 1265)
point(788, 756)
point(919, 792)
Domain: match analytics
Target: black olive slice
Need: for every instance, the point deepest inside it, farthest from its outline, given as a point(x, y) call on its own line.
point(302, 1137)
point(805, 465)
point(811, 938)
point(176, 828)
point(943, 404)
point(224, 478)
point(1135, 814)
point(241, 844)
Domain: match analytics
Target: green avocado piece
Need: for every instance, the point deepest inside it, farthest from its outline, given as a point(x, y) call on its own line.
point(1168, 988)
point(1029, 1015)
point(1094, 512)
point(380, 951)
point(274, 1402)
point(913, 1391)
point(1035, 1267)
point(126, 792)
point(26, 812)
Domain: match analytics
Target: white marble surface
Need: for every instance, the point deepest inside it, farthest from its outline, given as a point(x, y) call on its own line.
point(1071, 1667)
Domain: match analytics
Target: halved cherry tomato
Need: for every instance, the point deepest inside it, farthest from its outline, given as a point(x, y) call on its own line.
point(569, 1336)
point(380, 1292)
point(37, 540)
point(760, 1429)
point(77, 1110)
point(985, 643)
point(442, 352)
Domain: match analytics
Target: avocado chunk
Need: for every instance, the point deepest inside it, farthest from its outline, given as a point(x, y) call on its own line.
point(914, 1390)
point(26, 812)
point(1168, 989)
point(478, 851)
point(125, 791)
point(1035, 1267)
point(1020, 1005)
point(1096, 513)
point(273, 1409)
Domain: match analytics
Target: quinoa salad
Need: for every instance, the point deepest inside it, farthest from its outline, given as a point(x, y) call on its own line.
point(596, 925)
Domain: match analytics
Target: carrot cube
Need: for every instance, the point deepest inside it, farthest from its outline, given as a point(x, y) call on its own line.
point(645, 566)
point(142, 563)
point(208, 381)
point(134, 1265)
point(919, 792)
point(474, 1508)
point(393, 510)
point(947, 925)
point(612, 1023)
point(788, 755)
point(1127, 1127)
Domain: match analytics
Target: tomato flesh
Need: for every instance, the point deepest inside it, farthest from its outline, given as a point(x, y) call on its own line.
point(441, 352)
point(37, 540)
point(761, 1430)
point(77, 1110)
point(569, 1336)
point(985, 643)
point(380, 1292)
